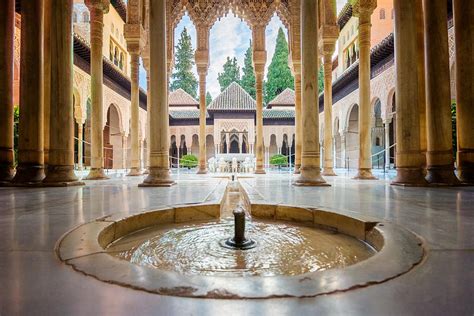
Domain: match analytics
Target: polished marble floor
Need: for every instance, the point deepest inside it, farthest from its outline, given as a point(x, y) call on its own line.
point(34, 282)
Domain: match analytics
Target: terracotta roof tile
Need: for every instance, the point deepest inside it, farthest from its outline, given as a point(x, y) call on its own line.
point(181, 98)
point(185, 114)
point(278, 114)
point(286, 98)
point(234, 98)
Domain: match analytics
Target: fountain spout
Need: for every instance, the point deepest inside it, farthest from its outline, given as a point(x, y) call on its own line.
point(239, 241)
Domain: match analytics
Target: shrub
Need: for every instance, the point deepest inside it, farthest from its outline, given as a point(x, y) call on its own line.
point(189, 161)
point(279, 160)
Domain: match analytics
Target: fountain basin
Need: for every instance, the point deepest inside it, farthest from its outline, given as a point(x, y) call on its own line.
point(88, 250)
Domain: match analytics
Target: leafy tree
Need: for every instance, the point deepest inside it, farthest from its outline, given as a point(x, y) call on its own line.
point(231, 73)
point(248, 77)
point(208, 98)
point(321, 80)
point(188, 161)
point(279, 75)
point(183, 76)
point(279, 160)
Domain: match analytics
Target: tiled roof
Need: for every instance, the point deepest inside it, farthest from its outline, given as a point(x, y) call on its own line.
point(278, 114)
point(286, 98)
point(234, 98)
point(344, 15)
point(121, 8)
point(185, 114)
point(181, 98)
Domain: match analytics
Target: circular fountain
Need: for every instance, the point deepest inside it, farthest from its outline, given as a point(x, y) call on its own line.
point(239, 249)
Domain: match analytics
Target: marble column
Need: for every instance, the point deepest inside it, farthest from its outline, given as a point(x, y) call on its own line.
point(387, 143)
point(328, 149)
point(30, 167)
point(310, 156)
point(135, 169)
point(159, 172)
point(124, 150)
point(440, 162)
point(7, 32)
point(422, 82)
point(364, 11)
point(298, 122)
point(97, 9)
point(47, 19)
point(227, 147)
point(80, 145)
point(408, 153)
point(61, 142)
point(202, 65)
point(464, 33)
point(259, 60)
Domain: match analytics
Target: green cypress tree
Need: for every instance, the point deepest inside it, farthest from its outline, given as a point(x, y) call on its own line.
point(279, 75)
point(321, 80)
point(230, 74)
point(248, 77)
point(208, 98)
point(183, 76)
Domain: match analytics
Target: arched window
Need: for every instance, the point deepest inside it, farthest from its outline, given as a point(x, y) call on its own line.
point(74, 17)
point(382, 14)
point(116, 56)
point(121, 61)
point(377, 141)
point(85, 17)
point(111, 52)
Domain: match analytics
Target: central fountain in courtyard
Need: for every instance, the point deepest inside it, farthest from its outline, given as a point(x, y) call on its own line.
point(240, 248)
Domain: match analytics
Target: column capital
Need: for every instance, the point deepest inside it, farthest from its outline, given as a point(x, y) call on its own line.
point(259, 61)
point(98, 5)
point(135, 36)
point(201, 57)
point(361, 8)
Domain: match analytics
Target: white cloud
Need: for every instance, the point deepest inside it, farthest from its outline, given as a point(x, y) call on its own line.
point(229, 37)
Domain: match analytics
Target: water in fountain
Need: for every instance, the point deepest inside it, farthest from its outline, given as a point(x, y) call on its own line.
point(281, 248)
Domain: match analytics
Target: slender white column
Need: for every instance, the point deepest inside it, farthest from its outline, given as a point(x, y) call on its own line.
point(7, 31)
point(159, 172)
point(30, 167)
point(310, 158)
point(408, 152)
point(97, 9)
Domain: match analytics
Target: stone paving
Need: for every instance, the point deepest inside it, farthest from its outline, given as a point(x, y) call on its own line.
point(33, 281)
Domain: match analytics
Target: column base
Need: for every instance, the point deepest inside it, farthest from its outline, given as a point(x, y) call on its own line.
point(365, 174)
point(27, 174)
point(260, 171)
point(328, 172)
point(7, 172)
point(466, 175)
point(158, 177)
point(134, 172)
point(442, 176)
point(96, 174)
point(410, 177)
point(311, 176)
point(202, 171)
point(61, 176)
point(297, 169)
point(146, 171)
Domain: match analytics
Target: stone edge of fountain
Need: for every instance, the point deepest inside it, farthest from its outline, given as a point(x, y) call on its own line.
point(398, 251)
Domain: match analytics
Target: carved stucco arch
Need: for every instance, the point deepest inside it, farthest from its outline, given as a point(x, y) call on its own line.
point(119, 113)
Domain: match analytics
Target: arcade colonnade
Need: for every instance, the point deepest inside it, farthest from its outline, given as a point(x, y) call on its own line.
point(423, 117)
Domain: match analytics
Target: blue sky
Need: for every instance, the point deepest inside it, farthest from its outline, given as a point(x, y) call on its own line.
point(229, 36)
